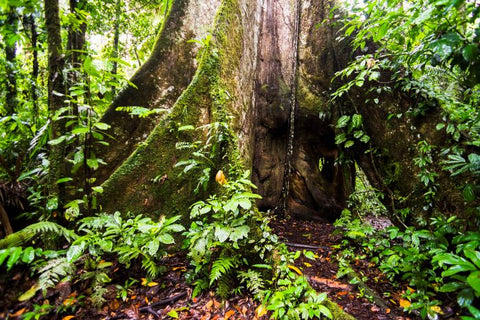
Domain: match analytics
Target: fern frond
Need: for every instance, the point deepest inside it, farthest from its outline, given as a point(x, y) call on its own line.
point(97, 298)
point(152, 268)
point(221, 266)
point(225, 285)
point(34, 230)
point(54, 271)
point(253, 280)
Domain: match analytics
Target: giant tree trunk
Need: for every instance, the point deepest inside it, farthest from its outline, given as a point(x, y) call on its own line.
point(267, 72)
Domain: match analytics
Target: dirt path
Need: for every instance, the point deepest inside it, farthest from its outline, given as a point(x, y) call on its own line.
point(322, 272)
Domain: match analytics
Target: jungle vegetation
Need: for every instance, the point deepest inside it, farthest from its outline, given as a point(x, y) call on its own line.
point(131, 130)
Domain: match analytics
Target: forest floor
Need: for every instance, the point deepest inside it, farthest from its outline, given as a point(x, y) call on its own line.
point(170, 297)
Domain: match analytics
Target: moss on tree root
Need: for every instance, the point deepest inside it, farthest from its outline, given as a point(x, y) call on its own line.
point(148, 182)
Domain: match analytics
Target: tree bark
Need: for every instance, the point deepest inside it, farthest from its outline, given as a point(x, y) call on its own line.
point(10, 57)
point(159, 81)
point(269, 67)
point(56, 97)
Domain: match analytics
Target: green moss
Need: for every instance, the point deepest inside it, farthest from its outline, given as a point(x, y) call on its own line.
point(209, 98)
point(337, 312)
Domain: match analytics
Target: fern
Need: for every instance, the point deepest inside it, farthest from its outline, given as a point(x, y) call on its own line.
point(34, 230)
point(97, 298)
point(253, 280)
point(225, 284)
point(53, 272)
point(222, 266)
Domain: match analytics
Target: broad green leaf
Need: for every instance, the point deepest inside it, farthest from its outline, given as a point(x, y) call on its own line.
point(222, 232)
point(458, 268)
point(14, 256)
point(343, 121)
point(173, 314)
point(349, 143)
point(57, 141)
point(474, 281)
point(357, 121)
point(65, 179)
point(245, 203)
point(80, 130)
point(28, 255)
point(470, 52)
point(474, 256)
point(166, 238)
point(153, 247)
point(76, 251)
point(239, 233)
point(93, 163)
point(102, 126)
point(30, 293)
point(452, 287)
point(468, 193)
point(465, 297)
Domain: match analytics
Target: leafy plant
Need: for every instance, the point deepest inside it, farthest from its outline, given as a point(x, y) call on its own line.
point(129, 239)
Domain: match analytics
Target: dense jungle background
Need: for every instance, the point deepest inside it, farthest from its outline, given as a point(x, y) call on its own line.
point(239, 159)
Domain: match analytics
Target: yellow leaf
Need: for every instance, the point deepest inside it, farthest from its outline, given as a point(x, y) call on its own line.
point(404, 303)
point(220, 178)
point(295, 269)
point(436, 309)
point(145, 282)
point(261, 310)
point(68, 317)
point(308, 265)
point(29, 293)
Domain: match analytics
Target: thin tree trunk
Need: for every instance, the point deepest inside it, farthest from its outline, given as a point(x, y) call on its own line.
point(11, 57)
point(56, 97)
point(116, 37)
point(34, 35)
point(5, 221)
point(75, 47)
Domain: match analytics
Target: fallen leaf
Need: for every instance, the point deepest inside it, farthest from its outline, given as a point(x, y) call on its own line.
point(404, 303)
point(295, 269)
point(148, 283)
point(18, 313)
point(179, 268)
point(68, 317)
point(342, 293)
point(29, 293)
point(388, 311)
point(374, 309)
point(114, 304)
point(173, 314)
point(209, 304)
point(261, 310)
point(216, 304)
point(228, 314)
point(308, 265)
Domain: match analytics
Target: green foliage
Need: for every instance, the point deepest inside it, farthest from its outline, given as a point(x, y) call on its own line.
point(129, 239)
point(351, 130)
point(205, 155)
point(34, 230)
point(441, 258)
point(222, 237)
point(290, 296)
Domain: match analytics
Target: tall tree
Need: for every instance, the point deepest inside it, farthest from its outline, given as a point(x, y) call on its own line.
point(56, 98)
point(11, 25)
